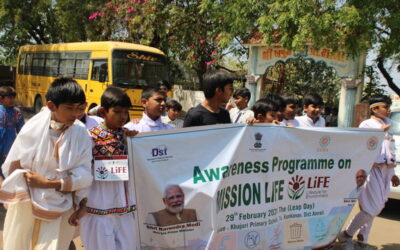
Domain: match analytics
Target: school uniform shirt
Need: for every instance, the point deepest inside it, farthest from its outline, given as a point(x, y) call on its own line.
point(305, 121)
point(377, 186)
point(240, 116)
point(109, 197)
point(92, 121)
point(177, 123)
point(200, 116)
point(147, 124)
point(294, 122)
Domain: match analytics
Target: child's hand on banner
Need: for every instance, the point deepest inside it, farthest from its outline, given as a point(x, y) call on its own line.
point(386, 127)
point(395, 181)
point(130, 133)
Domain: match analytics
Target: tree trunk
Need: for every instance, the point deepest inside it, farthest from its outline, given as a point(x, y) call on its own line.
point(387, 76)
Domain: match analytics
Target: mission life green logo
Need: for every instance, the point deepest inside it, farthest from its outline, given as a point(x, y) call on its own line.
point(296, 187)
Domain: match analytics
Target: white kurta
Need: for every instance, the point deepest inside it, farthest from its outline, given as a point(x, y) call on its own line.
point(377, 187)
point(305, 121)
point(69, 161)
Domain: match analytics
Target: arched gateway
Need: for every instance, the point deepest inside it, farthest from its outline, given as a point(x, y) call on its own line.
point(350, 70)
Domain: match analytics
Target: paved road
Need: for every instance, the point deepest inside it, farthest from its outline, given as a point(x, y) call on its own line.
point(385, 233)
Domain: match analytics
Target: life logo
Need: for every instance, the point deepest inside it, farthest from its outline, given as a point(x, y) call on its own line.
point(296, 187)
point(324, 141)
point(159, 151)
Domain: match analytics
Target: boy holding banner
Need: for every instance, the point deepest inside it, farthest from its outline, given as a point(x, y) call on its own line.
point(110, 224)
point(376, 189)
point(312, 105)
point(291, 108)
point(217, 88)
point(264, 112)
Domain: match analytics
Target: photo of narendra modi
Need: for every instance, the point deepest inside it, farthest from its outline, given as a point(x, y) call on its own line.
point(174, 211)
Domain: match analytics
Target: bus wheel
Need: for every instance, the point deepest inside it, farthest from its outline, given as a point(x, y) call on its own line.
point(37, 106)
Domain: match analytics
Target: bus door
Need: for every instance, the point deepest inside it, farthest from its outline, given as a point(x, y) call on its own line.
point(98, 81)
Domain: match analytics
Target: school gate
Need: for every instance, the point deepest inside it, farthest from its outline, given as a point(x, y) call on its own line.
point(349, 70)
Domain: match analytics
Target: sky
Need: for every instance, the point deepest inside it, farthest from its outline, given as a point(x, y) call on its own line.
point(391, 68)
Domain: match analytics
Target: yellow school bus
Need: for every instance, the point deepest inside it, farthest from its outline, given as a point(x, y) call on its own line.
point(94, 65)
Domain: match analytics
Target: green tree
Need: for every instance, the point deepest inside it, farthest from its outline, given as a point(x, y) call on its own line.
point(372, 85)
point(302, 76)
point(353, 25)
point(25, 22)
point(41, 22)
point(183, 29)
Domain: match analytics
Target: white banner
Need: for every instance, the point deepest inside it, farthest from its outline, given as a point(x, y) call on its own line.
point(247, 187)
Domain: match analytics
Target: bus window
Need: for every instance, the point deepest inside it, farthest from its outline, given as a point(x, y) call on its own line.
point(38, 64)
point(81, 68)
point(21, 63)
point(51, 66)
point(28, 64)
point(137, 69)
point(67, 65)
point(100, 71)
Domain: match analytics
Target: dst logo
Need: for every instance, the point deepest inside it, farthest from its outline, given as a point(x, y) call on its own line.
point(296, 187)
point(161, 150)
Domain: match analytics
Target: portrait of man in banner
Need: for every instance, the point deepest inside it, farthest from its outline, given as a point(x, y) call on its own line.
point(174, 211)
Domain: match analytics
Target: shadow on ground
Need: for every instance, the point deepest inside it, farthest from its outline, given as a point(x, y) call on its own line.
point(391, 211)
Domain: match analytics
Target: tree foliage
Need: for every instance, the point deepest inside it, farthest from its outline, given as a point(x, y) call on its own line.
point(372, 85)
point(301, 76)
point(182, 29)
point(41, 22)
point(353, 25)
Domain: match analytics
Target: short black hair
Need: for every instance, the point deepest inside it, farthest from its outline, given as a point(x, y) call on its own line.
point(262, 107)
point(379, 98)
point(7, 91)
point(172, 104)
point(313, 98)
point(243, 92)
point(290, 99)
point(164, 83)
point(277, 101)
point(115, 97)
point(149, 92)
point(215, 79)
point(65, 90)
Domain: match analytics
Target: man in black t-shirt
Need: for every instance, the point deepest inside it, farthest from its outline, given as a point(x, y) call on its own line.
point(217, 88)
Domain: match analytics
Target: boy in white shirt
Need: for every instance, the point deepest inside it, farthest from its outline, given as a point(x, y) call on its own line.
point(312, 105)
point(291, 108)
point(153, 101)
point(174, 109)
point(376, 189)
point(47, 172)
point(241, 112)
